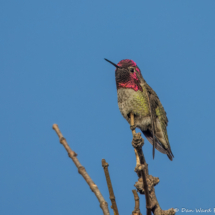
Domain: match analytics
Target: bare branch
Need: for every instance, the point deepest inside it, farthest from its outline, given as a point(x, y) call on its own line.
point(145, 184)
point(110, 188)
point(136, 210)
point(141, 162)
point(82, 171)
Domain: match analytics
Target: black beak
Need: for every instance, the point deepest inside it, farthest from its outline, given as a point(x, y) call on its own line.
point(112, 63)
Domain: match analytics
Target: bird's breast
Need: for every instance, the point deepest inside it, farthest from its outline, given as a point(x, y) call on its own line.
point(135, 102)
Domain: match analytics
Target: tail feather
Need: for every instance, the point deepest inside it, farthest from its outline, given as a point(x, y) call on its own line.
point(158, 145)
point(170, 154)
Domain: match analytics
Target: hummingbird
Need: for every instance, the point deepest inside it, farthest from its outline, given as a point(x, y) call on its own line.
point(137, 97)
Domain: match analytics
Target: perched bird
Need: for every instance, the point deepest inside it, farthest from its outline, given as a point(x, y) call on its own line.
point(137, 97)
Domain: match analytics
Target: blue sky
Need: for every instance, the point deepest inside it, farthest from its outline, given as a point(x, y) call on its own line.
point(53, 71)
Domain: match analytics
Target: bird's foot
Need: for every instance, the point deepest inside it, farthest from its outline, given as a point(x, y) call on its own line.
point(132, 127)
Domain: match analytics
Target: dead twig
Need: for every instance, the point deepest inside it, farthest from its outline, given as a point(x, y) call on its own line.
point(136, 210)
point(110, 188)
point(82, 171)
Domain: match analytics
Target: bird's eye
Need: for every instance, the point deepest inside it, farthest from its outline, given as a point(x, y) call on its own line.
point(132, 70)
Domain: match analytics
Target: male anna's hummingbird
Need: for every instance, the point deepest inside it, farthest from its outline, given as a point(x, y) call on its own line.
point(137, 97)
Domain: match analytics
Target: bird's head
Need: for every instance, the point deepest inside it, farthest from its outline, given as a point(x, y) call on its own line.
point(127, 74)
